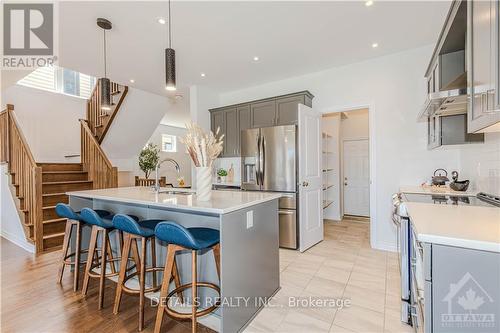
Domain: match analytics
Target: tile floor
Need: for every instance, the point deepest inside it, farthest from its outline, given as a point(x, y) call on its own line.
point(342, 267)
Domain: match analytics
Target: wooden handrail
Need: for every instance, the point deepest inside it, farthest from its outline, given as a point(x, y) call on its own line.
point(27, 175)
point(98, 119)
point(100, 170)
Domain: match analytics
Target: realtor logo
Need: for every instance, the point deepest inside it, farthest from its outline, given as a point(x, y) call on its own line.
point(28, 35)
point(469, 305)
point(28, 29)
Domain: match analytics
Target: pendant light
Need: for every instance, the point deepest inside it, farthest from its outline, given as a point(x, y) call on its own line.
point(104, 82)
point(170, 57)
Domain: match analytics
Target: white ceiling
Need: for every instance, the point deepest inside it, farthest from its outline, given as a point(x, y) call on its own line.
point(221, 38)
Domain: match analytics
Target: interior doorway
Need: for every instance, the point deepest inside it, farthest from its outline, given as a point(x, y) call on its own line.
point(346, 164)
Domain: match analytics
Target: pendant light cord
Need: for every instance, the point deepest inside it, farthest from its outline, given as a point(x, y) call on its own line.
point(169, 27)
point(105, 69)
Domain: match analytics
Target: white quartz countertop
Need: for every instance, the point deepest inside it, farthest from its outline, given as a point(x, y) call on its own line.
point(472, 227)
point(427, 189)
point(222, 202)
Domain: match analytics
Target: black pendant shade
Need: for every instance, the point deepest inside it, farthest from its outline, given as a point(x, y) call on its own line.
point(170, 69)
point(105, 85)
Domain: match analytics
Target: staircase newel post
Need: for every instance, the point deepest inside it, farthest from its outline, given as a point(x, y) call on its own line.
point(38, 212)
point(10, 108)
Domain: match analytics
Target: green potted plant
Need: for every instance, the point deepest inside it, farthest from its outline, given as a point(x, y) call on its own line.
point(221, 175)
point(148, 158)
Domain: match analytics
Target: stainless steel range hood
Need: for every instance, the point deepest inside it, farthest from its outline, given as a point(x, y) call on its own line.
point(444, 103)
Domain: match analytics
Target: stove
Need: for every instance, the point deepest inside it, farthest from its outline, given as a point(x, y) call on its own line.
point(482, 199)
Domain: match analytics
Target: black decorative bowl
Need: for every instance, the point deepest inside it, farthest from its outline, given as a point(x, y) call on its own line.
point(462, 185)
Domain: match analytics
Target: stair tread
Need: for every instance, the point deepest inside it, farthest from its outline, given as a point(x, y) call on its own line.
point(59, 163)
point(63, 172)
point(67, 182)
point(53, 194)
point(59, 234)
point(49, 207)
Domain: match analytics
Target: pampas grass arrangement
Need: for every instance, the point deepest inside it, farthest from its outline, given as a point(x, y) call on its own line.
point(202, 147)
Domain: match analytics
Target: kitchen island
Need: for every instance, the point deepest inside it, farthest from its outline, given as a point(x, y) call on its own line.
point(248, 225)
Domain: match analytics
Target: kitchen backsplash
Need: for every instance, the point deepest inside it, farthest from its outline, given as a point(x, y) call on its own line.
point(225, 163)
point(481, 164)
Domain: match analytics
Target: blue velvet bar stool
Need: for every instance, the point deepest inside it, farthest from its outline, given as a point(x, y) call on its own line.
point(133, 231)
point(100, 225)
point(180, 238)
point(73, 220)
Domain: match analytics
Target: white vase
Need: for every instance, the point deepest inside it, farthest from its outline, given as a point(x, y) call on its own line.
point(203, 183)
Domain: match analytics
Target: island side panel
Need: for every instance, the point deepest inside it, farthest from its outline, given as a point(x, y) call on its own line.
point(249, 262)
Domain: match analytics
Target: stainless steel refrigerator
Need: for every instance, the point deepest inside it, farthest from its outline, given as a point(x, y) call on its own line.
point(269, 163)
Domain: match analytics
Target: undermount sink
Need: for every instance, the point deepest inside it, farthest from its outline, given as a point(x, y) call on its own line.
point(169, 191)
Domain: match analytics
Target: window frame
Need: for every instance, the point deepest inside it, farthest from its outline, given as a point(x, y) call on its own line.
point(173, 143)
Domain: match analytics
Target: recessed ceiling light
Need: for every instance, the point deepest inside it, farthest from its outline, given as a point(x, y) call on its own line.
point(202, 74)
point(375, 45)
point(161, 20)
point(255, 58)
point(369, 3)
point(132, 80)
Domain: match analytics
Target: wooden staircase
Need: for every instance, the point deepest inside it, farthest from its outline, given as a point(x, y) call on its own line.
point(38, 187)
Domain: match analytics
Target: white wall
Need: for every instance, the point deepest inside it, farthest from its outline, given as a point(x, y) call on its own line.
point(481, 164)
point(355, 125)
point(166, 169)
point(139, 116)
point(10, 223)
point(393, 87)
point(49, 121)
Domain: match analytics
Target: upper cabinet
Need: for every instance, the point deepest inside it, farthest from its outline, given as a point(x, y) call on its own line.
point(483, 45)
point(263, 113)
point(274, 111)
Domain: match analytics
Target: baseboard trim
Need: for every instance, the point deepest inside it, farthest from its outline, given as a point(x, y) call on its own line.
point(386, 246)
point(22, 243)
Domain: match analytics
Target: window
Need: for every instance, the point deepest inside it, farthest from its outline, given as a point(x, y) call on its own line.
point(169, 143)
point(60, 80)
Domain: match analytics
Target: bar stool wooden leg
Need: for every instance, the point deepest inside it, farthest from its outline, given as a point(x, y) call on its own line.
point(78, 245)
point(90, 258)
point(167, 274)
point(67, 236)
point(142, 282)
point(194, 289)
point(123, 271)
point(153, 260)
point(135, 255)
point(110, 255)
point(104, 254)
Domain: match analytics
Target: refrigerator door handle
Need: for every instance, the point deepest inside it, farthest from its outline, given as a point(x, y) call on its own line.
point(257, 160)
point(263, 164)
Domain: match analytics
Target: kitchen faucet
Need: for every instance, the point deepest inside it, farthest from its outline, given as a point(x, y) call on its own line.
point(156, 186)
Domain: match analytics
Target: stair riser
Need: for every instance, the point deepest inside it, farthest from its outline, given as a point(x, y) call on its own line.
point(50, 214)
point(52, 242)
point(62, 188)
point(54, 228)
point(61, 177)
point(62, 167)
point(55, 199)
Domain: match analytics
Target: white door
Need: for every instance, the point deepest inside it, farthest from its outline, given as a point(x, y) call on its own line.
point(310, 178)
point(356, 177)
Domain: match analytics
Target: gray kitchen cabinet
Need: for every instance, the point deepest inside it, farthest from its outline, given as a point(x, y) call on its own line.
point(263, 114)
point(232, 139)
point(483, 80)
point(245, 117)
point(279, 110)
point(217, 121)
point(464, 292)
point(433, 132)
point(287, 109)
